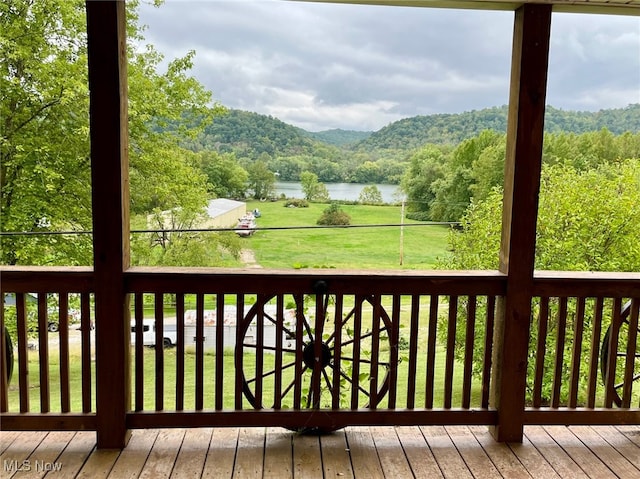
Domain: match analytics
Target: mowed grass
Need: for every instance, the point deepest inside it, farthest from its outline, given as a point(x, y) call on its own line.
point(344, 248)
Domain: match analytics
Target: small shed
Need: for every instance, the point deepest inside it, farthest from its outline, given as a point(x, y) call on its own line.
point(224, 213)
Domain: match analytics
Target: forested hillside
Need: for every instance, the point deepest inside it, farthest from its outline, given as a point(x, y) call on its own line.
point(340, 137)
point(250, 135)
point(411, 133)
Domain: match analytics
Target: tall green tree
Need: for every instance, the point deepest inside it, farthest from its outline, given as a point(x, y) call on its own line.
point(44, 143)
point(313, 189)
point(227, 179)
point(262, 181)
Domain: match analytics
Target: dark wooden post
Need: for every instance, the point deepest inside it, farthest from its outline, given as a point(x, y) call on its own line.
point(521, 187)
point(106, 32)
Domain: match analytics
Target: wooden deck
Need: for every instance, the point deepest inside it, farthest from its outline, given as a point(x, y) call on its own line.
point(362, 452)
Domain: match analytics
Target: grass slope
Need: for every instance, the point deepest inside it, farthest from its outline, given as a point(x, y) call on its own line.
point(346, 248)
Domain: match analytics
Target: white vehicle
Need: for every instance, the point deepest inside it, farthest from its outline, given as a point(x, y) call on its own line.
point(169, 334)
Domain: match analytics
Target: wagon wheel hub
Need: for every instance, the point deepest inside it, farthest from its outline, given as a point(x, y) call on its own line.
point(308, 355)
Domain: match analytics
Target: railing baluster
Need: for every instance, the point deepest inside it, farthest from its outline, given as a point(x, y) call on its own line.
point(413, 351)
point(337, 352)
point(541, 349)
point(23, 352)
point(199, 339)
point(431, 350)
point(629, 370)
point(277, 380)
point(43, 353)
point(238, 355)
point(394, 339)
point(297, 388)
point(559, 357)
point(613, 347)
point(468, 351)
point(578, 327)
point(4, 367)
point(357, 330)
point(451, 342)
point(63, 335)
point(139, 350)
point(180, 352)
point(488, 350)
point(259, 350)
point(219, 393)
point(375, 352)
point(595, 351)
point(85, 331)
point(159, 350)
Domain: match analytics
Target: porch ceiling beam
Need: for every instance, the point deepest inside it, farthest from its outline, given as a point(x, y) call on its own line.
point(600, 7)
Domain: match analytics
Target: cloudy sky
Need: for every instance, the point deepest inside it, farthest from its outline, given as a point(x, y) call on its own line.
point(322, 66)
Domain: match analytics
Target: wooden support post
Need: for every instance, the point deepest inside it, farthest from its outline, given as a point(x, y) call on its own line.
point(521, 187)
point(106, 37)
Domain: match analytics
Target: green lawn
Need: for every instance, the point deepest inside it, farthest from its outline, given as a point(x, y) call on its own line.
point(344, 248)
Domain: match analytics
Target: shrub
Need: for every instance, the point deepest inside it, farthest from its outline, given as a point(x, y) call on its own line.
point(296, 203)
point(334, 215)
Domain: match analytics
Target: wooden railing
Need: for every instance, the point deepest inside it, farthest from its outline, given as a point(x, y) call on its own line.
point(325, 349)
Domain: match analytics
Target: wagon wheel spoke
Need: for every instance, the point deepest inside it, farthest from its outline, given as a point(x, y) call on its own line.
point(619, 355)
point(301, 370)
point(270, 373)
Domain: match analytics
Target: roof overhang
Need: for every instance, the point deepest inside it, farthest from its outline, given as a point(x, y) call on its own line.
point(612, 7)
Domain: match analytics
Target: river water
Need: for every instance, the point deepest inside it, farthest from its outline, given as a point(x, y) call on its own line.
point(340, 191)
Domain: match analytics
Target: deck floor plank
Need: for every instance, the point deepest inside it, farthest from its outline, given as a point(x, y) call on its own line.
point(250, 453)
point(580, 453)
point(415, 447)
point(555, 455)
point(221, 456)
point(364, 457)
point(45, 457)
point(76, 454)
point(133, 458)
point(388, 445)
point(6, 439)
point(14, 457)
point(608, 454)
point(278, 454)
point(335, 455)
point(473, 455)
point(193, 454)
point(500, 454)
point(548, 452)
point(535, 463)
point(99, 464)
point(631, 432)
point(307, 459)
point(449, 460)
point(163, 454)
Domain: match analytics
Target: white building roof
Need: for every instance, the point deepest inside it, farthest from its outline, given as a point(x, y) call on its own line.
point(221, 206)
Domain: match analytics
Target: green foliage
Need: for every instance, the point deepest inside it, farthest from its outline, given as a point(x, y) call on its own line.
point(334, 215)
point(262, 181)
point(313, 190)
point(340, 137)
point(588, 221)
point(296, 203)
point(45, 178)
point(415, 132)
point(227, 179)
point(370, 195)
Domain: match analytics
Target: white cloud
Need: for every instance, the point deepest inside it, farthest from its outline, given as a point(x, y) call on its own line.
point(359, 67)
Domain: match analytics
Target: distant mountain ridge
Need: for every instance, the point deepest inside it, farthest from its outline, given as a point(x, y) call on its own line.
point(414, 132)
point(250, 135)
